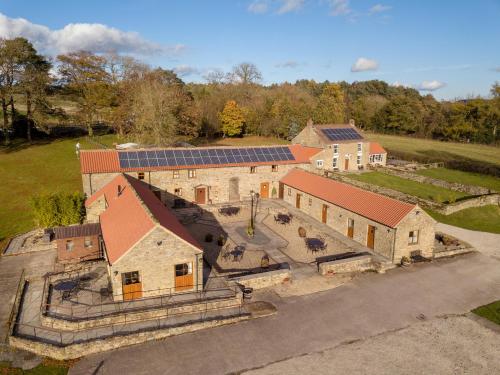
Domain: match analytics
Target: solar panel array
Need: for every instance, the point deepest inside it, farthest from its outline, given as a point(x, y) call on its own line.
point(186, 158)
point(341, 134)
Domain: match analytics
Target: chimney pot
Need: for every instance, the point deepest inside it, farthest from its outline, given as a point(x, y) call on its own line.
point(351, 122)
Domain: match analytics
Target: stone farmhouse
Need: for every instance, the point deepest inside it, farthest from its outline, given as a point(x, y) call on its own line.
point(343, 147)
point(389, 227)
point(148, 251)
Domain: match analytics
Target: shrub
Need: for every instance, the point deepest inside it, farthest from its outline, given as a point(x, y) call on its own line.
point(209, 237)
point(273, 192)
point(250, 230)
point(58, 209)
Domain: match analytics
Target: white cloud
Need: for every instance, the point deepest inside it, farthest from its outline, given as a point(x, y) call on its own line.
point(401, 84)
point(340, 7)
point(93, 37)
point(185, 70)
point(430, 85)
point(497, 69)
point(363, 64)
point(290, 6)
point(379, 8)
point(258, 7)
point(288, 64)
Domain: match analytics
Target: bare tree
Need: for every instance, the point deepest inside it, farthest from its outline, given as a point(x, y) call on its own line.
point(246, 73)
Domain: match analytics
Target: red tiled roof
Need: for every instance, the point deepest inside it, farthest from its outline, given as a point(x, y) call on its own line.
point(373, 206)
point(132, 214)
point(105, 161)
point(376, 148)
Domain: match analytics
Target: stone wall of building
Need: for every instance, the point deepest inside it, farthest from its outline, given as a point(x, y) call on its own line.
point(95, 210)
point(308, 137)
point(347, 151)
point(416, 220)
point(155, 257)
point(384, 238)
point(93, 182)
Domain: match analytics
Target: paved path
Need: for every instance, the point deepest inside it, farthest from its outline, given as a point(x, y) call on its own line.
point(372, 304)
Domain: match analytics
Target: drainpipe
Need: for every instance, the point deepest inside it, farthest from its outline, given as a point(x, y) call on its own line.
point(90, 182)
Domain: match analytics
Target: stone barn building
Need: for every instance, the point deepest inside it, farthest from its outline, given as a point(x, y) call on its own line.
point(197, 175)
point(78, 243)
point(343, 147)
point(149, 252)
point(391, 228)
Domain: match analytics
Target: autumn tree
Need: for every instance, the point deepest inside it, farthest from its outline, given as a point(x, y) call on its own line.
point(84, 74)
point(331, 106)
point(232, 119)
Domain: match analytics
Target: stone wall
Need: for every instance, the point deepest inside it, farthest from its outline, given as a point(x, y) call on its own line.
point(308, 137)
point(73, 351)
point(265, 279)
point(484, 200)
point(346, 151)
point(355, 264)
point(155, 257)
point(469, 189)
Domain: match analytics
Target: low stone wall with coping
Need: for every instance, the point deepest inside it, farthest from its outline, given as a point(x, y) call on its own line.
point(265, 279)
point(484, 200)
point(73, 351)
point(449, 253)
point(354, 264)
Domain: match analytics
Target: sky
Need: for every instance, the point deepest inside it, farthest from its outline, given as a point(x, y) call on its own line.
point(450, 49)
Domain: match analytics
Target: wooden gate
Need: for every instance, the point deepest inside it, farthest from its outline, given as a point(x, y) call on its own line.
point(370, 237)
point(324, 214)
point(350, 228)
point(264, 190)
point(201, 195)
point(297, 200)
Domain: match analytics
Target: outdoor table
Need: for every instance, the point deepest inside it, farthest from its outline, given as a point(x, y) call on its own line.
point(229, 211)
point(283, 219)
point(237, 253)
point(315, 244)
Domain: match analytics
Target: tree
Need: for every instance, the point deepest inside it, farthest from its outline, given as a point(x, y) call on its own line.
point(331, 105)
point(85, 75)
point(246, 73)
point(232, 119)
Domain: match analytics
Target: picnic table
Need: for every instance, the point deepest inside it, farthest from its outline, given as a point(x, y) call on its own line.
point(315, 244)
point(236, 254)
point(283, 219)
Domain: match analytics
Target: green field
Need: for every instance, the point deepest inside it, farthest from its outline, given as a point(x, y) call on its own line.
point(467, 178)
point(483, 219)
point(48, 367)
point(437, 150)
point(490, 312)
point(425, 191)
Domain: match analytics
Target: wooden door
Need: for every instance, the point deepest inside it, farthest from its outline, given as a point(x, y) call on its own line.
point(324, 214)
point(346, 164)
point(370, 237)
point(183, 276)
point(264, 190)
point(201, 195)
point(297, 200)
point(131, 286)
point(282, 191)
point(350, 228)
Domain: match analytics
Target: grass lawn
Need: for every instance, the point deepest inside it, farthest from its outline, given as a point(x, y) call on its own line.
point(467, 178)
point(47, 367)
point(28, 170)
point(437, 150)
point(490, 312)
point(483, 219)
point(425, 191)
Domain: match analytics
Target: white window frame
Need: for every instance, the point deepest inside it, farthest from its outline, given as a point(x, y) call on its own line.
point(358, 160)
point(274, 168)
point(70, 245)
point(178, 192)
point(289, 192)
point(335, 162)
point(360, 148)
point(319, 163)
point(335, 149)
point(176, 174)
point(413, 237)
point(191, 173)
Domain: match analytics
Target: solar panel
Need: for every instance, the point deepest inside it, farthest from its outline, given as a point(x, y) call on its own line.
point(341, 134)
point(215, 156)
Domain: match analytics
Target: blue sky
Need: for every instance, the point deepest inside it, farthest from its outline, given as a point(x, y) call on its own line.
point(448, 48)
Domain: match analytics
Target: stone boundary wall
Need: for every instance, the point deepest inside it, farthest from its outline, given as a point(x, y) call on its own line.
point(123, 318)
point(449, 253)
point(74, 351)
point(484, 200)
point(265, 279)
point(354, 264)
point(469, 189)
